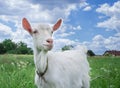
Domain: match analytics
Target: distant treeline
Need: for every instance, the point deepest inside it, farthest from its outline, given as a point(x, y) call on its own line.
point(10, 47)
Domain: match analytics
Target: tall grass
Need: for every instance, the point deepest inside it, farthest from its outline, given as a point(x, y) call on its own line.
point(105, 72)
point(17, 71)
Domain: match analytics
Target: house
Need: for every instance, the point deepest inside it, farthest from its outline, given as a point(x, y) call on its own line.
point(112, 52)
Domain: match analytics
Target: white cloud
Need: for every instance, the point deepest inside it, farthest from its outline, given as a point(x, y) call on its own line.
point(13, 11)
point(111, 22)
point(37, 11)
point(112, 43)
point(99, 44)
point(110, 10)
point(4, 29)
point(113, 14)
point(16, 36)
point(98, 38)
point(77, 27)
point(66, 34)
point(66, 30)
point(88, 8)
point(85, 6)
point(61, 42)
point(50, 4)
point(117, 35)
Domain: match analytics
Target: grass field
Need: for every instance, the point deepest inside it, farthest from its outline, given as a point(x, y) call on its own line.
point(105, 72)
point(17, 71)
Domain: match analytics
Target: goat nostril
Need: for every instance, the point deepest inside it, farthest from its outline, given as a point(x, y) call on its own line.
point(49, 41)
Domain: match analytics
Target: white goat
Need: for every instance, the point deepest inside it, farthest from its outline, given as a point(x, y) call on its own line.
point(68, 69)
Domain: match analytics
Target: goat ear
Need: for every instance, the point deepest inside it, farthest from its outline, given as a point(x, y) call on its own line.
point(57, 25)
point(26, 25)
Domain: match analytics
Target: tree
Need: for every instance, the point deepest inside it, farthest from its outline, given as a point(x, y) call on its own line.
point(90, 53)
point(2, 49)
point(9, 46)
point(67, 47)
point(23, 49)
point(30, 51)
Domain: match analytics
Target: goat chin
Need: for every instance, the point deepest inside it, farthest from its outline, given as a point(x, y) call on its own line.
point(48, 47)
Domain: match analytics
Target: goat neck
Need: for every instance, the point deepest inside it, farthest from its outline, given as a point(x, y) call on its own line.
point(40, 59)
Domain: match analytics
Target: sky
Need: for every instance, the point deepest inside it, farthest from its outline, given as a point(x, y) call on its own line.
point(93, 23)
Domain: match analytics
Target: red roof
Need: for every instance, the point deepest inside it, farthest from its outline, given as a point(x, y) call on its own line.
point(113, 52)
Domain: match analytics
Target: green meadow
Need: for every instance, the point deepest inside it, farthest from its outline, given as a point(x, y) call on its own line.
point(17, 71)
point(105, 72)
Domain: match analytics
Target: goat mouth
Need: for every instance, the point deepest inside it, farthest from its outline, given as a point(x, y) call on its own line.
point(49, 46)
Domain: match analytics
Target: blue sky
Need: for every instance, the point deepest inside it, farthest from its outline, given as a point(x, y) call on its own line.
point(93, 23)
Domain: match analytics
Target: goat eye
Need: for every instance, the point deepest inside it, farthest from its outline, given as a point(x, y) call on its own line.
point(35, 31)
point(52, 32)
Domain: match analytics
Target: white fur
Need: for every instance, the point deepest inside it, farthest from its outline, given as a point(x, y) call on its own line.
point(68, 69)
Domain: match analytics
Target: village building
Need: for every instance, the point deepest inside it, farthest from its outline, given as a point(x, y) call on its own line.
point(112, 53)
